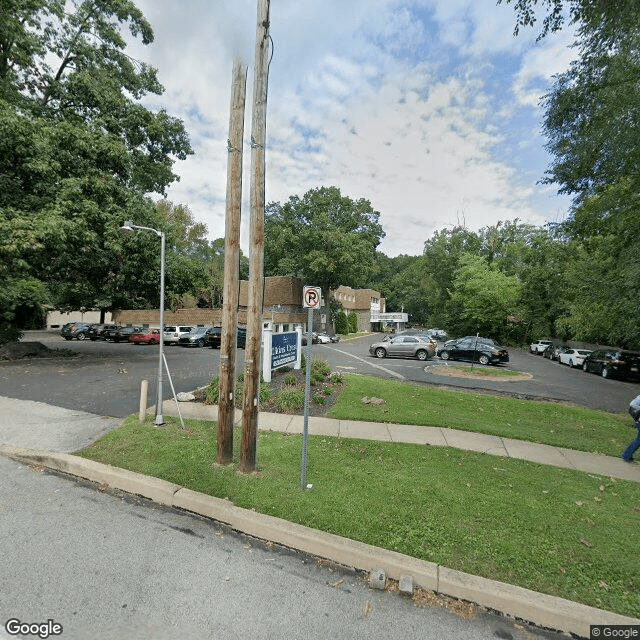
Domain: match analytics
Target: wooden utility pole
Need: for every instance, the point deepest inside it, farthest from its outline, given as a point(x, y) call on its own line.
point(251, 391)
point(227, 386)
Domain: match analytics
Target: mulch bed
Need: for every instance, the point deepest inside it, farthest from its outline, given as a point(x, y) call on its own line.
point(278, 384)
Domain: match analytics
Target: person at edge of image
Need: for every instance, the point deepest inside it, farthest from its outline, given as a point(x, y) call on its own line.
point(634, 410)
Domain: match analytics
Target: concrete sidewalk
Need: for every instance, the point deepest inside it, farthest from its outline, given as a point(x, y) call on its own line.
point(41, 435)
point(434, 436)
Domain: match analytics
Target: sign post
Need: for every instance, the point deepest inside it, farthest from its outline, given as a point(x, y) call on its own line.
point(311, 300)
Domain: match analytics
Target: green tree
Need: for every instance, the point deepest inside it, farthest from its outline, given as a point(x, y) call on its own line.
point(323, 237)
point(352, 319)
point(590, 122)
point(342, 323)
point(485, 296)
point(604, 15)
point(77, 150)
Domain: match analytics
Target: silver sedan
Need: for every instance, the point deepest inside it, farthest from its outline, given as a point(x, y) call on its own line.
point(404, 347)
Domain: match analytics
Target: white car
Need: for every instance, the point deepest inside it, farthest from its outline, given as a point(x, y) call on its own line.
point(540, 346)
point(172, 333)
point(574, 357)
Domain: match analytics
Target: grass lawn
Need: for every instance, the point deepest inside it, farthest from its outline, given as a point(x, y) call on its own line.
point(534, 421)
point(486, 372)
point(556, 531)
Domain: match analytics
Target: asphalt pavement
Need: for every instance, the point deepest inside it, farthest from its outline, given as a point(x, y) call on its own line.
point(140, 565)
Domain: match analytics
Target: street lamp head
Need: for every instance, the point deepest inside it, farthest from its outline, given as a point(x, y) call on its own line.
point(127, 226)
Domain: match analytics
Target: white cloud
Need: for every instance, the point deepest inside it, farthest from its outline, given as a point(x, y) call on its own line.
point(365, 96)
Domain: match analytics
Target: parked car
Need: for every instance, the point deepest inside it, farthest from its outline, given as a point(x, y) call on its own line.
point(145, 337)
point(173, 333)
point(574, 357)
point(96, 331)
point(438, 334)
point(197, 337)
point(325, 338)
point(122, 333)
point(314, 338)
point(475, 349)
point(110, 331)
point(613, 363)
point(549, 351)
point(215, 337)
point(404, 346)
point(539, 346)
point(77, 330)
point(557, 352)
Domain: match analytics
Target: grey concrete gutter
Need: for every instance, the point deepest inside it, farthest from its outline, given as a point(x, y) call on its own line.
point(537, 608)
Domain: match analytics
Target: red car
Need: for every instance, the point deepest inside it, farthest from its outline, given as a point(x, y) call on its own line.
point(153, 337)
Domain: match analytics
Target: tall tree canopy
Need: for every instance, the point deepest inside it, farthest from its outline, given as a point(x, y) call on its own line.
point(591, 122)
point(78, 152)
point(323, 237)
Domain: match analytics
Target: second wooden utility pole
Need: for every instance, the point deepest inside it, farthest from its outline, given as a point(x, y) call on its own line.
point(227, 384)
point(251, 391)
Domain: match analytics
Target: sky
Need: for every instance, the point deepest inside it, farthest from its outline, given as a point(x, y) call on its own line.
point(429, 109)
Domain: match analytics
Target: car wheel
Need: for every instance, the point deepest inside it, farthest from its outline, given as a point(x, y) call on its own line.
point(152, 341)
point(572, 363)
point(422, 355)
point(584, 367)
point(201, 343)
point(380, 352)
point(483, 359)
point(81, 336)
point(444, 355)
point(605, 372)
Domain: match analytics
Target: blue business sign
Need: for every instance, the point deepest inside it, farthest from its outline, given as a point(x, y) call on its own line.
point(284, 349)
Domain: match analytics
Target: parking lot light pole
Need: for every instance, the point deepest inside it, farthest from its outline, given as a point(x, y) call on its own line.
point(129, 227)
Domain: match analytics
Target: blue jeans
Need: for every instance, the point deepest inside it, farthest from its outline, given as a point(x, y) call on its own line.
point(631, 449)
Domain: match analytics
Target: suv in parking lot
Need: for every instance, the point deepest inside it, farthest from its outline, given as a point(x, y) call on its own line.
point(96, 331)
point(77, 330)
point(613, 363)
point(215, 337)
point(173, 333)
point(539, 346)
point(197, 337)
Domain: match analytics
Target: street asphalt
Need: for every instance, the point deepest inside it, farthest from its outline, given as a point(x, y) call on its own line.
point(42, 435)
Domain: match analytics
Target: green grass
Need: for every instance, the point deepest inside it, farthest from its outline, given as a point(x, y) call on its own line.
point(489, 373)
point(556, 531)
point(534, 421)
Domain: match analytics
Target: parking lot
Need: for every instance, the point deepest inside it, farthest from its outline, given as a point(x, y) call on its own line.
point(105, 377)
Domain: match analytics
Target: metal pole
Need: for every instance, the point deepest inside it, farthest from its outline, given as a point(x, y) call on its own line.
point(307, 397)
point(159, 417)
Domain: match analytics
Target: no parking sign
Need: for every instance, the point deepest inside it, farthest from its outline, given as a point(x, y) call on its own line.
point(311, 297)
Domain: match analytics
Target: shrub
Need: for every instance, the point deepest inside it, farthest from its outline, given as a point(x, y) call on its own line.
point(336, 378)
point(342, 324)
point(290, 399)
point(352, 319)
point(320, 367)
point(318, 398)
point(290, 379)
point(327, 391)
point(212, 392)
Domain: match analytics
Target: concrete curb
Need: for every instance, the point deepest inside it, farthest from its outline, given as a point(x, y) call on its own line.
point(537, 608)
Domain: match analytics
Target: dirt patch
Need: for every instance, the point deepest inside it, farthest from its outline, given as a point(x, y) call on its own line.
point(19, 350)
point(474, 374)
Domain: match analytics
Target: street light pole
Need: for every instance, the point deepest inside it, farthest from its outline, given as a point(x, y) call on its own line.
point(129, 227)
